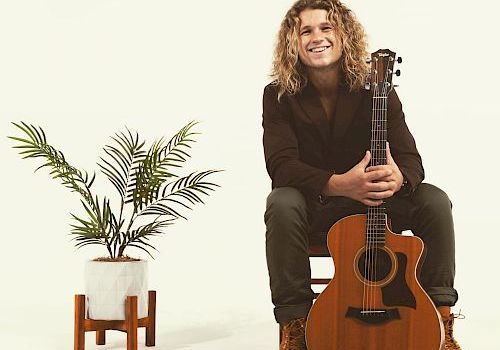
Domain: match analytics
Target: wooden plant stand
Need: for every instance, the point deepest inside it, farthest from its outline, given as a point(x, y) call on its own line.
point(129, 325)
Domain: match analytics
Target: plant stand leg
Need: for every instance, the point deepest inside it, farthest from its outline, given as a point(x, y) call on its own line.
point(100, 337)
point(151, 328)
point(131, 322)
point(79, 337)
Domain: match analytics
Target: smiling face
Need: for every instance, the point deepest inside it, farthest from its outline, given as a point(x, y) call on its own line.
point(319, 46)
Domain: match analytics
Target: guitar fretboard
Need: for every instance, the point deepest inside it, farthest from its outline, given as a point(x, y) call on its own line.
point(375, 230)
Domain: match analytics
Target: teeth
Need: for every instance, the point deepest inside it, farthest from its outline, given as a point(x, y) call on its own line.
point(319, 49)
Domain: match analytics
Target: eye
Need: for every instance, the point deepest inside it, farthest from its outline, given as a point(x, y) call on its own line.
point(327, 29)
point(305, 32)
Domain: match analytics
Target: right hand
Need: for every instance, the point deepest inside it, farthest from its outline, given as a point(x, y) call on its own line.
point(368, 188)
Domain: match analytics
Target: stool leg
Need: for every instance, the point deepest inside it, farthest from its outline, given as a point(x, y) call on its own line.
point(151, 327)
point(79, 337)
point(131, 322)
point(100, 337)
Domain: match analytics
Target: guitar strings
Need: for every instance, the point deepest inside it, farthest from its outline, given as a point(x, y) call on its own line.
point(366, 296)
point(376, 215)
point(367, 251)
point(367, 290)
point(383, 157)
point(375, 210)
point(374, 221)
point(381, 150)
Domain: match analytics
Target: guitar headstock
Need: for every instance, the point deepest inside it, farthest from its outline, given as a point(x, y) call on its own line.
point(382, 70)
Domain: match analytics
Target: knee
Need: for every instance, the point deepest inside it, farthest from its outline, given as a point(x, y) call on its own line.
point(433, 199)
point(286, 202)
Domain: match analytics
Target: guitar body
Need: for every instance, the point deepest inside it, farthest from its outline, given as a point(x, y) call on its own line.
point(385, 309)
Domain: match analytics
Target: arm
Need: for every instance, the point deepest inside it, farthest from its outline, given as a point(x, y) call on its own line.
point(403, 147)
point(281, 151)
point(366, 185)
point(370, 185)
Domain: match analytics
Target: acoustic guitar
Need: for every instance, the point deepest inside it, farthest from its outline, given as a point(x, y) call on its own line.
point(374, 301)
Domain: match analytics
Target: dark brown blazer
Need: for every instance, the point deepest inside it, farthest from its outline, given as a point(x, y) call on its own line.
point(303, 148)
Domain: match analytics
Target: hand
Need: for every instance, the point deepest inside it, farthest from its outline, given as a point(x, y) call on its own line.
point(395, 179)
point(367, 185)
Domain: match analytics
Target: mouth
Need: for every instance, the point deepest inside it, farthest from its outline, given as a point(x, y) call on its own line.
point(319, 49)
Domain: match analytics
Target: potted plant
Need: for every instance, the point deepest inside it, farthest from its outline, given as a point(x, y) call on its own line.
point(151, 197)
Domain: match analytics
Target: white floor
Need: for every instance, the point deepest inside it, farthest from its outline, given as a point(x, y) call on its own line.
point(55, 331)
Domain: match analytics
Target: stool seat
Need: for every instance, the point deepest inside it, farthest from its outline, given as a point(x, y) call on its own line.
point(318, 249)
point(317, 245)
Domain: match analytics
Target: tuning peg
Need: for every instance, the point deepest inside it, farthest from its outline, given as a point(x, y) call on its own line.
point(398, 73)
point(367, 86)
point(368, 60)
point(400, 59)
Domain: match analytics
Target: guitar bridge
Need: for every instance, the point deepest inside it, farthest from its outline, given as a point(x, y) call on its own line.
point(377, 316)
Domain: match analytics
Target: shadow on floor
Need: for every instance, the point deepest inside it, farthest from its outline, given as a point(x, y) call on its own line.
point(183, 338)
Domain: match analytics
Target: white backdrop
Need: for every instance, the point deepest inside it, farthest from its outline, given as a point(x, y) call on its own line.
point(85, 69)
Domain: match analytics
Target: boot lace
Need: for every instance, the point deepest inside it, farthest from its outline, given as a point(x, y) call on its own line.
point(449, 341)
point(293, 335)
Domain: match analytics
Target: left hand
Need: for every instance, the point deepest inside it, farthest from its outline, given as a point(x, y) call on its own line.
point(395, 179)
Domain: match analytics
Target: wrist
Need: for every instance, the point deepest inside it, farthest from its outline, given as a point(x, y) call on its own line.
point(333, 186)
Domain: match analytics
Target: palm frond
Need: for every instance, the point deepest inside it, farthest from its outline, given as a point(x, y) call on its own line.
point(123, 158)
point(184, 192)
point(36, 146)
point(99, 225)
point(138, 238)
point(155, 168)
point(174, 152)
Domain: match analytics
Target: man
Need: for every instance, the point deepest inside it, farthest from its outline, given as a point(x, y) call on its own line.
point(317, 125)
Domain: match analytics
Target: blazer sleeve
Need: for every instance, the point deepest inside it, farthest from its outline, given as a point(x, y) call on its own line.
point(402, 143)
point(281, 150)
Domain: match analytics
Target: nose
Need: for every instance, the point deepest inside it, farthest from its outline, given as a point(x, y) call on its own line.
point(317, 36)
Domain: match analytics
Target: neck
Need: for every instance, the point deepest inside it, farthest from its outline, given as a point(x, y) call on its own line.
point(325, 80)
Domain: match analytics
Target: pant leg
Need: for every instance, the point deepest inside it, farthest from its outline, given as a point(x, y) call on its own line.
point(289, 219)
point(427, 213)
point(287, 253)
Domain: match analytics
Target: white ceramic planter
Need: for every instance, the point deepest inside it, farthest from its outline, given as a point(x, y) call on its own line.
point(107, 285)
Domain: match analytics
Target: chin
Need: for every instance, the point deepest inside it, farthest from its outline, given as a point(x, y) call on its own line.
point(320, 65)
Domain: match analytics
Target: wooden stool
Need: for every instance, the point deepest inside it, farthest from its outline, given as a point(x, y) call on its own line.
point(318, 249)
point(129, 325)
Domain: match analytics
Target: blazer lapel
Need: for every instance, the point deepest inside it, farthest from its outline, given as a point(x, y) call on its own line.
point(347, 104)
point(310, 103)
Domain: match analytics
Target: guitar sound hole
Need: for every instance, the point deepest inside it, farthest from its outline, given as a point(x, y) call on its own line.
point(374, 264)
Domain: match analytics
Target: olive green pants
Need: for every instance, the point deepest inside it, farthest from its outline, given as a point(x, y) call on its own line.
point(289, 217)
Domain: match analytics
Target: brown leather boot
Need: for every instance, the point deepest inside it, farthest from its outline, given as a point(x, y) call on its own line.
point(449, 342)
point(293, 335)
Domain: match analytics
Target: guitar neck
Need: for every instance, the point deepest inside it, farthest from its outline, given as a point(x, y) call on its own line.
point(382, 63)
point(379, 130)
point(375, 233)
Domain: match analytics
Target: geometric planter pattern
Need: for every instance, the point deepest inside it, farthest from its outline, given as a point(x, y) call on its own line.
point(107, 285)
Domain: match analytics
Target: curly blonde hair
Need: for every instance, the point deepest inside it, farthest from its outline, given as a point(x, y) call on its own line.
point(288, 72)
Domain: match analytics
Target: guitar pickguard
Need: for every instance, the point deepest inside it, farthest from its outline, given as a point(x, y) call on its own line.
point(397, 292)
